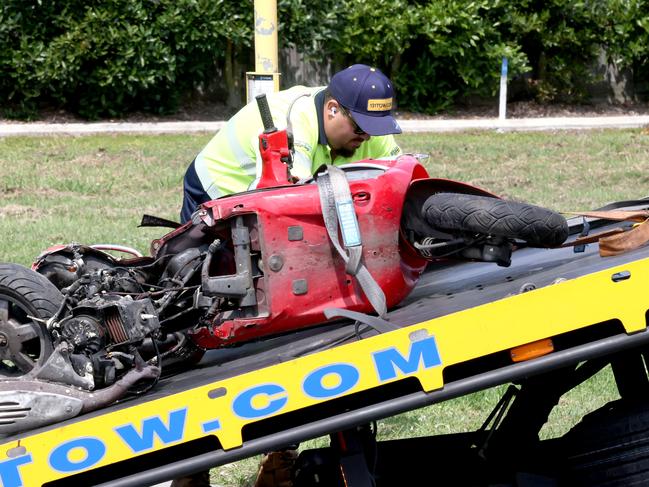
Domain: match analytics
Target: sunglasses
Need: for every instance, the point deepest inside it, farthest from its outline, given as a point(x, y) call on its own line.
point(357, 129)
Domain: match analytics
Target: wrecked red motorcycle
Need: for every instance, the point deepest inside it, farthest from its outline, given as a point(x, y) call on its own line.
point(82, 328)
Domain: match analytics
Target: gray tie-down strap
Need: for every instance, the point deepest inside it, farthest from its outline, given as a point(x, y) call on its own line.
point(338, 209)
point(378, 324)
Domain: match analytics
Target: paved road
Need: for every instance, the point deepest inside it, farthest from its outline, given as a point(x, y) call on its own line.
point(408, 126)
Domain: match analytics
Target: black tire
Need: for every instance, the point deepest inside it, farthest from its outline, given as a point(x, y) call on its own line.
point(609, 447)
point(456, 212)
point(23, 341)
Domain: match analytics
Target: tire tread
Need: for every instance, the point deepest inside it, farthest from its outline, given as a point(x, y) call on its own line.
point(538, 226)
point(33, 287)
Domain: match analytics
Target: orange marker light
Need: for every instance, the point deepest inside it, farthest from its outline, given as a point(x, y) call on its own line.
point(531, 350)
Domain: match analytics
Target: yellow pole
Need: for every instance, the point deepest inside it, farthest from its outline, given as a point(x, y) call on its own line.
point(266, 36)
point(265, 78)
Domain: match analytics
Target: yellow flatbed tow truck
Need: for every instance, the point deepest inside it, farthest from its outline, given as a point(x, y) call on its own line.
point(546, 323)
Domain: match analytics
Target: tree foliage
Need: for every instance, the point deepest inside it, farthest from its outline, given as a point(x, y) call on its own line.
point(105, 58)
point(110, 57)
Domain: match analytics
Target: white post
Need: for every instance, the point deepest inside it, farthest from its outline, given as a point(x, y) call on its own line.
point(502, 111)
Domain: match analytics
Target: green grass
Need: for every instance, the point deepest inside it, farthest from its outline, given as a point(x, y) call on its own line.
point(88, 189)
point(94, 189)
point(561, 170)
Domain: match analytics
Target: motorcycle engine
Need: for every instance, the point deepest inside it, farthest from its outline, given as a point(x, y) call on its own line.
point(103, 334)
point(113, 312)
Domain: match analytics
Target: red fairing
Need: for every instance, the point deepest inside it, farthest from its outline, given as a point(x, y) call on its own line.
point(301, 273)
point(273, 148)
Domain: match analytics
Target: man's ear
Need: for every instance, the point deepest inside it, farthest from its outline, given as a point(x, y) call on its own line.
point(331, 108)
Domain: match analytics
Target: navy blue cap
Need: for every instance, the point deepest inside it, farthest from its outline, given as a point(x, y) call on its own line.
point(368, 95)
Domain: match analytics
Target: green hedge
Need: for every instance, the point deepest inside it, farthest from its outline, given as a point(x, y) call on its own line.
point(441, 52)
point(110, 57)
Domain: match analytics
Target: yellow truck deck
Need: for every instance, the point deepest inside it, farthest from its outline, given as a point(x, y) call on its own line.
point(452, 336)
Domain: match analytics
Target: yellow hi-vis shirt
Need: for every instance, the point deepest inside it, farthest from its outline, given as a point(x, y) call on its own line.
point(231, 163)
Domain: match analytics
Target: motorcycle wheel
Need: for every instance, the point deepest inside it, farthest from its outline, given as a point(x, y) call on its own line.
point(455, 212)
point(24, 342)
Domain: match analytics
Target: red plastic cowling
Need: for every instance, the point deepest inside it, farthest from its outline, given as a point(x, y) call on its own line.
point(302, 273)
point(273, 148)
